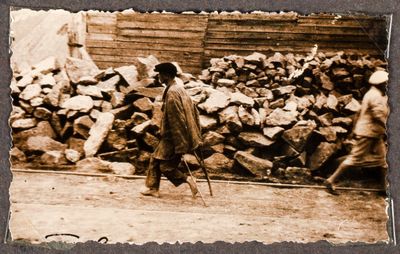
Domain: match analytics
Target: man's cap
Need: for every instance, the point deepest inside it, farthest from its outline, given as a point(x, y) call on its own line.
point(168, 68)
point(378, 77)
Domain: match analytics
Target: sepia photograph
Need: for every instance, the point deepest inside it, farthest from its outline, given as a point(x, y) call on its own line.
point(133, 127)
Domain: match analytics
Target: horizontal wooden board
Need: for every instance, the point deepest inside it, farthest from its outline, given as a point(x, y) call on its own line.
point(250, 23)
point(340, 22)
point(289, 37)
point(139, 45)
point(187, 25)
point(148, 17)
point(292, 29)
point(341, 16)
point(101, 20)
point(161, 33)
point(254, 34)
point(189, 42)
point(100, 37)
point(265, 16)
point(132, 52)
point(101, 29)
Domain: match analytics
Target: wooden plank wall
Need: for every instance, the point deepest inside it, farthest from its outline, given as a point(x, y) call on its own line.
point(169, 37)
point(239, 34)
point(192, 39)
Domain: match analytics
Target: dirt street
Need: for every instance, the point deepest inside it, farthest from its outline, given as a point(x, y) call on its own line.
point(93, 207)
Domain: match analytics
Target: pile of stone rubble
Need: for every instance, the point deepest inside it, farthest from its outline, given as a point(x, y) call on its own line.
point(285, 115)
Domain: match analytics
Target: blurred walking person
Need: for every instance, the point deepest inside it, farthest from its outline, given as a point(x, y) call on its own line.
point(369, 148)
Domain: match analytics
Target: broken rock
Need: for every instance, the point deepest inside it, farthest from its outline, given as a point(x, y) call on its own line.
point(92, 91)
point(217, 100)
point(141, 128)
point(122, 168)
point(245, 116)
point(17, 155)
point(72, 155)
point(253, 164)
point(230, 117)
point(273, 132)
point(53, 158)
point(109, 85)
point(323, 152)
point(238, 98)
point(25, 123)
point(139, 118)
point(16, 113)
point(279, 117)
point(43, 144)
point(42, 113)
point(212, 138)
point(128, 73)
point(30, 92)
point(353, 106)
point(207, 122)
point(117, 99)
point(143, 104)
point(329, 133)
point(218, 163)
point(98, 133)
point(82, 126)
point(78, 68)
point(298, 136)
point(93, 164)
point(79, 103)
point(226, 82)
point(255, 139)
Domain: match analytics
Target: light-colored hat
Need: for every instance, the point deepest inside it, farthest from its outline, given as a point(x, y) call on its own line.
point(378, 77)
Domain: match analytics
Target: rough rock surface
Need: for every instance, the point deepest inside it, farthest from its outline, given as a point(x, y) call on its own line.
point(253, 164)
point(98, 133)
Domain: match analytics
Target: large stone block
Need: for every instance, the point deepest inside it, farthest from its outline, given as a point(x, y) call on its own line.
point(253, 164)
point(217, 100)
point(31, 91)
point(218, 163)
point(122, 168)
point(43, 144)
point(212, 138)
point(238, 98)
point(24, 123)
point(298, 136)
point(78, 68)
point(79, 103)
point(128, 73)
point(229, 116)
point(98, 133)
point(279, 117)
point(321, 155)
point(255, 139)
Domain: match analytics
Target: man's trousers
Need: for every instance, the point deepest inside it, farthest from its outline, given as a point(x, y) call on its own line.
point(169, 168)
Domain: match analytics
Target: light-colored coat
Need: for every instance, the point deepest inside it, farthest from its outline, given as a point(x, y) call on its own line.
point(373, 114)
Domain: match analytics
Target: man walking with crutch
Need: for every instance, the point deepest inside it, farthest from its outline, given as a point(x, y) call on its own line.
point(180, 134)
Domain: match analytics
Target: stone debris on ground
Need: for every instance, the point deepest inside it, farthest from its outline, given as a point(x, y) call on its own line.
point(277, 114)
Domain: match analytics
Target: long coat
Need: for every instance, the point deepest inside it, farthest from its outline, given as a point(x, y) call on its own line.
point(180, 125)
point(373, 114)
